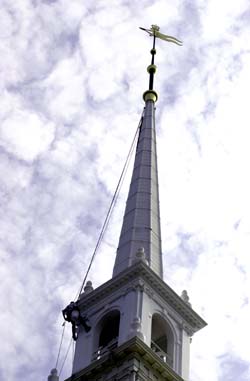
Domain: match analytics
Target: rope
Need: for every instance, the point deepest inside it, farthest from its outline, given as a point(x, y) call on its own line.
point(73, 353)
point(111, 207)
point(60, 346)
point(102, 233)
point(65, 357)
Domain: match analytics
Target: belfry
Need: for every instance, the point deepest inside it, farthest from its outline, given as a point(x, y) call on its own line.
point(135, 327)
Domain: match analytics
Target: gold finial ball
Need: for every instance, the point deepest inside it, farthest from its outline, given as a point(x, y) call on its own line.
point(150, 95)
point(151, 68)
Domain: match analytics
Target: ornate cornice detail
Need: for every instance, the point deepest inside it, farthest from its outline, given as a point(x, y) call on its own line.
point(149, 292)
point(152, 284)
point(134, 349)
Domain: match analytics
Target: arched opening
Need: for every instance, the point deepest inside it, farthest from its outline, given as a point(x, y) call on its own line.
point(110, 328)
point(162, 339)
point(107, 333)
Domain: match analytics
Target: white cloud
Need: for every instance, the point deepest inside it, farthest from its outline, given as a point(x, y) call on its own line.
point(219, 18)
point(25, 135)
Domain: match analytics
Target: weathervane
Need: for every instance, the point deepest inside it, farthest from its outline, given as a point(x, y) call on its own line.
point(154, 32)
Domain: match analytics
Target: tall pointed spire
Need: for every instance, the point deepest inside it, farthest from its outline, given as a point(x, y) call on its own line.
point(141, 222)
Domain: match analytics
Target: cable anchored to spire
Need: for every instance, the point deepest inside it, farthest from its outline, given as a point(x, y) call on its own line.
point(72, 313)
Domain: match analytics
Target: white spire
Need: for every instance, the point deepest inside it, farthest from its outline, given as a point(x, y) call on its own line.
point(141, 223)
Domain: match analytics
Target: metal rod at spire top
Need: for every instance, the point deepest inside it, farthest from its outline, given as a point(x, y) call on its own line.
point(154, 32)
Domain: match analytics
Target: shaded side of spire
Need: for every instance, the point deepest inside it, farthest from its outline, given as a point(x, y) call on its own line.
point(141, 222)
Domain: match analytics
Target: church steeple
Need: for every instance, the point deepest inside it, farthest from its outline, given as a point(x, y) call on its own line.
point(141, 223)
point(141, 227)
point(135, 327)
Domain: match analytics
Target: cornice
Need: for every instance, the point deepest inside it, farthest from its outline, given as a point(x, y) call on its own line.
point(134, 348)
point(140, 270)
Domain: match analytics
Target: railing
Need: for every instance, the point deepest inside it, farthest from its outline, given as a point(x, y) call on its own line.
point(101, 351)
point(163, 355)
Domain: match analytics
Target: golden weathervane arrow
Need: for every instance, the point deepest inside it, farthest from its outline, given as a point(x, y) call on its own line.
point(154, 32)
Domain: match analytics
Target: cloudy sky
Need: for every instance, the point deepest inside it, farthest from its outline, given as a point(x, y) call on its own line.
point(72, 78)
